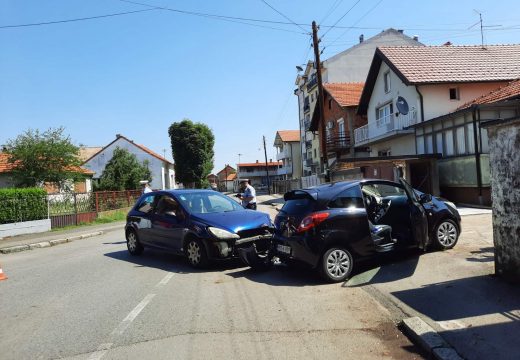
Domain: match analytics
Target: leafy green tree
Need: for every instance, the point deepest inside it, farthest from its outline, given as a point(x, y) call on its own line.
point(192, 148)
point(48, 157)
point(123, 172)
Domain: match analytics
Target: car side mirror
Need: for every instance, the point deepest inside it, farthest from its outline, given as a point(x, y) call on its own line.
point(425, 198)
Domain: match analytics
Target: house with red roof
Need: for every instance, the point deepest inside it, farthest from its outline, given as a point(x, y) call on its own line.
point(226, 178)
point(407, 87)
point(340, 120)
point(7, 181)
point(287, 144)
point(163, 174)
point(256, 172)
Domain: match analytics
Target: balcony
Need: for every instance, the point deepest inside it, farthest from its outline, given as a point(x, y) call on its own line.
point(308, 144)
point(282, 155)
point(284, 170)
point(384, 127)
point(338, 142)
point(312, 83)
point(308, 162)
point(306, 124)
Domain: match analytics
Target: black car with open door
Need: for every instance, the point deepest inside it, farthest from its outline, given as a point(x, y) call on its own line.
point(332, 226)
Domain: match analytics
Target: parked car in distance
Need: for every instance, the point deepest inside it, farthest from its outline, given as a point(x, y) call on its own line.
point(333, 226)
point(203, 225)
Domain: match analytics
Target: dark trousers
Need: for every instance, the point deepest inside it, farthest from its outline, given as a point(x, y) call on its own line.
point(251, 206)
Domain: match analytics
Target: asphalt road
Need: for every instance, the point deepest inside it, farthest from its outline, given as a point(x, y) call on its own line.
point(90, 299)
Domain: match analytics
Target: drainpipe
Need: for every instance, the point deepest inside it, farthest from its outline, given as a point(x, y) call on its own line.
point(477, 153)
point(421, 101)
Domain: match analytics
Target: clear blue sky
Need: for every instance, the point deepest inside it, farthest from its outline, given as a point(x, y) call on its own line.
point(136, 74)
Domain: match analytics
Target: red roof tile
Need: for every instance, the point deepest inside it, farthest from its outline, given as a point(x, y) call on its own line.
point(503, 93)
point(289, 135)
point(448, 64)
point(6, 167)
point(231, 177)
point(345, 94)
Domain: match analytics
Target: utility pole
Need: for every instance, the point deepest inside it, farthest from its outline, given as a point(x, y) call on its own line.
point(317, 63)
point(267, 169)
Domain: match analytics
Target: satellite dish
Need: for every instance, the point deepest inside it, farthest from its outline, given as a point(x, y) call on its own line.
point(402, 105)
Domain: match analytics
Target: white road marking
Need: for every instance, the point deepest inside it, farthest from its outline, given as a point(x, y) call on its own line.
point(165, 280)
point(120, 329)
point(133, 314)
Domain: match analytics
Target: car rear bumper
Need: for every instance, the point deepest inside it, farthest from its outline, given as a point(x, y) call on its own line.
point(296, 248)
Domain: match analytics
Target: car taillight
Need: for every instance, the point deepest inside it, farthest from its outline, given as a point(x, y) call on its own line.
point(311, 221)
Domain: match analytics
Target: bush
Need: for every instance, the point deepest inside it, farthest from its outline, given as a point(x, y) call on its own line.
point(26, 204)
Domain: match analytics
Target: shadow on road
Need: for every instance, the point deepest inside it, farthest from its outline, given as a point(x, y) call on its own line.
point(169, 262)
point(280, 275)
point(485, 254)
point(386, 268)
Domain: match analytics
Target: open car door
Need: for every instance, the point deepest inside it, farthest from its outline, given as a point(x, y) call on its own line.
point(418, 218)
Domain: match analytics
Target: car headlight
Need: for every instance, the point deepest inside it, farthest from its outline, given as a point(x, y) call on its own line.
point(222, 234)
point(449, 203)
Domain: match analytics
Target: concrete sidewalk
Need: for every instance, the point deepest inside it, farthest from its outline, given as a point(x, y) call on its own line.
point(52, 238)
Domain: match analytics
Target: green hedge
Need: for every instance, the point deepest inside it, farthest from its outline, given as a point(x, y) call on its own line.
point(17, 205)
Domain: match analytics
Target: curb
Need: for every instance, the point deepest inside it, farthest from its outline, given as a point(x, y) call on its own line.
point(428, 339)
point(44, 244)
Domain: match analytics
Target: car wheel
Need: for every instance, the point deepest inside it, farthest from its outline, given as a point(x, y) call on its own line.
point(336, 264)
point(446, 234)
point(196, 253)
point(133, 244)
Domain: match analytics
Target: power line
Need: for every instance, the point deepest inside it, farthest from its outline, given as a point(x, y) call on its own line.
point(73, 20)
point(341, 18)
point(332, 8)
point(286, 17)
point(361, 18)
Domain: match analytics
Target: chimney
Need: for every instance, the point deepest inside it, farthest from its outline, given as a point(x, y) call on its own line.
point(361, 38)
point(447, 43)
point(257, 161)
point(416, 37)
point(270, 160)
point(118, 136)
point(400, 31)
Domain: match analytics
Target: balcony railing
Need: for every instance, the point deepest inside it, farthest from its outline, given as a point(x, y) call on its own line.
point(385, 125)
point(312, 83)
point(338, 142)
point(282, 155)
point(308, 144)
point(361, 134)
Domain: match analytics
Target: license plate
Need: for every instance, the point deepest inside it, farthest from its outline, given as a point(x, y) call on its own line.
point(284, 249)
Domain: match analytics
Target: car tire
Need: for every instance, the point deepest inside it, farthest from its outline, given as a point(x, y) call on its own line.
point(336, 264)
point(196, 253)
point(257, 261)
point(445, 235)
point(133, 244)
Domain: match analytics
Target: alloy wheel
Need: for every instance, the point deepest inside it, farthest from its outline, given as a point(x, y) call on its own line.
point(338, 264)
point(132, 241)
point(194, 252)
point(447, 234)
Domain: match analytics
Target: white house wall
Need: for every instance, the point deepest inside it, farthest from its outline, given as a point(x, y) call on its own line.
point(99, 162)
point(353, 64)
point(403, 145)
point(437, 97)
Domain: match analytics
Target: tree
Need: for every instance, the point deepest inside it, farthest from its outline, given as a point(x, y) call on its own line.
point(48, 157)
point(123, 172)
point(192, 148)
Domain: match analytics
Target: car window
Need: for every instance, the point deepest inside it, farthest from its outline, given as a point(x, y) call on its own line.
point(146, 204)
point(298, 206)
point(207, 202)
point(167, 206)
point(350, 198)
point(383, 190)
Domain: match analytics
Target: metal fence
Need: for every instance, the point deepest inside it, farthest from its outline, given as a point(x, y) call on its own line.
point(282, 186)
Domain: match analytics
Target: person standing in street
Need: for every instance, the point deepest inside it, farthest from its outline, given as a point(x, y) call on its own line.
point(248, 195)
point(146, 186)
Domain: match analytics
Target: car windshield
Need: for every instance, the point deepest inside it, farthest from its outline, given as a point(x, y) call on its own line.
point(208, 202)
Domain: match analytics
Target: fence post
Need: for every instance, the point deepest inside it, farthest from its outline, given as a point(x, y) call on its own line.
point(75, 209)
point(127, 198)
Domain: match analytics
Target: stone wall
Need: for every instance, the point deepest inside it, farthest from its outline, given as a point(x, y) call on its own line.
point(504, 146)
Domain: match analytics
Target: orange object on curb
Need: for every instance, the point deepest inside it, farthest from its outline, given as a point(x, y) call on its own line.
point(2, 275)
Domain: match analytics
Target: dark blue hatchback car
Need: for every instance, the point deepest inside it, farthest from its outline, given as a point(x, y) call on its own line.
point(204, 225)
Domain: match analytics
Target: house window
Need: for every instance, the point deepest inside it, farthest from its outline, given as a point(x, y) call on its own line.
point(461, 140)
point(454, 94)
point(448, 137)
point(470, 138)
point(438, 142)
point(385, 152)
point(386, 78)
point(420, 145)
point(315, 154)
point(330, 104)
point(341, 132)
point(384, 115)
point(429, 144)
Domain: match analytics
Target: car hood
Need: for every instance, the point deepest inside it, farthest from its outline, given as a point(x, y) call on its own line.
point(235, 221)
